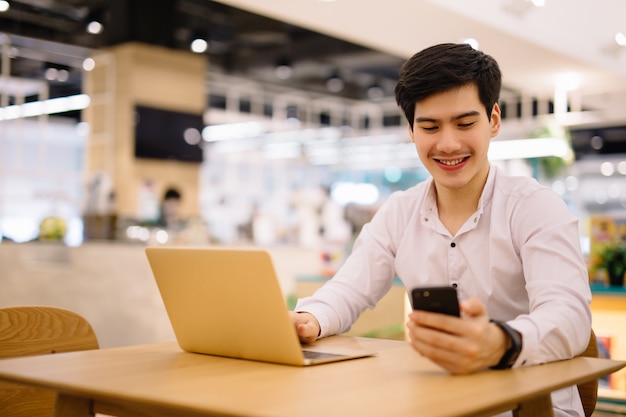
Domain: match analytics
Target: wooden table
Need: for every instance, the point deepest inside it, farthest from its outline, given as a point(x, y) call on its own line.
point(162, 380)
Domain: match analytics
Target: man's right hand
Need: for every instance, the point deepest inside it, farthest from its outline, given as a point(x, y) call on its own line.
point(307, 326)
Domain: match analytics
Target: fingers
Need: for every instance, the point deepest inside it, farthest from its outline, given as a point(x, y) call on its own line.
point(306, 333)
point(451, 342)
point(307, 326)
point(432, 334)
point(435, 345)
point(441, 322)
point(473, 307)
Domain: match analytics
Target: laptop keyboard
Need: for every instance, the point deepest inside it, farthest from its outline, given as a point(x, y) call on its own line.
point(309, 354)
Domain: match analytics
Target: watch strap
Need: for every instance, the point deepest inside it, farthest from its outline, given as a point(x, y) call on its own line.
point(510, 356)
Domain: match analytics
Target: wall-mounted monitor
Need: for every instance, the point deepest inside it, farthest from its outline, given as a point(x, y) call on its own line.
point(167, 134)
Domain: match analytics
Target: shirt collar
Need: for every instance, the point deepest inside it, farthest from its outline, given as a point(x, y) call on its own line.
point(490, 185)
point(429, 208)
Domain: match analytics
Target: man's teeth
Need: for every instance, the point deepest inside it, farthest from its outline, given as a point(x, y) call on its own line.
point(453, 162)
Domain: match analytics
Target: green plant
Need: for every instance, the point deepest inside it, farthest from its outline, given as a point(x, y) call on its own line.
point(551, 166)
point(613, 258)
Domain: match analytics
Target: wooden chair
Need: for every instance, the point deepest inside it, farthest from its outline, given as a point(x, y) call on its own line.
point(38, 330)
point(589, 390)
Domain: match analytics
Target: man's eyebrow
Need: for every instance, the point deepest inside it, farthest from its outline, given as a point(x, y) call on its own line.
point(457, 117)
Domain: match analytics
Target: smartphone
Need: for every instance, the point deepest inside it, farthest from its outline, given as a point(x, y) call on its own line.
point(436, 299)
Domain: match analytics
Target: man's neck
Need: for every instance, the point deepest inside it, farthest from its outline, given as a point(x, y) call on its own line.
point(455, 206)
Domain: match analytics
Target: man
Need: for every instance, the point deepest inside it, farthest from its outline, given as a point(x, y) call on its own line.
point(170, 210)
point(508, 244)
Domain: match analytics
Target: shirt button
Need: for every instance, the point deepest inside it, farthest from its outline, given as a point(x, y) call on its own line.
point(452, 244)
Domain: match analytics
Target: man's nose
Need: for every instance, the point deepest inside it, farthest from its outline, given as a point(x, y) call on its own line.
point(448, 141)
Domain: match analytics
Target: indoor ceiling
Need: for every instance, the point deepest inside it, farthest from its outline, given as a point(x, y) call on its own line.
point(46, 33)
point(532, 44)
point(363, 41)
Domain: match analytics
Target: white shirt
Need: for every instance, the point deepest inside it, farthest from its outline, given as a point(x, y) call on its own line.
point(519, 253)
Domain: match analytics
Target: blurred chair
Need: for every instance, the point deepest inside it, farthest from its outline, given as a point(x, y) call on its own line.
point(589, 390)
point(38, 330)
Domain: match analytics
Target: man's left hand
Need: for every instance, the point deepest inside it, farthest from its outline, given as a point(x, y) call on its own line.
point(459, 345)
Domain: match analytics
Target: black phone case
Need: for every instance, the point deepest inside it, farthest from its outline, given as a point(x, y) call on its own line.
point(436, 299)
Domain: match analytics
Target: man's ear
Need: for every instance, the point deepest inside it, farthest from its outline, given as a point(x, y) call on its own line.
point(496, 120)
point(410, 129)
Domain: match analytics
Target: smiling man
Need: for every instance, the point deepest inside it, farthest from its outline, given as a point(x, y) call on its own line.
point(509, 245)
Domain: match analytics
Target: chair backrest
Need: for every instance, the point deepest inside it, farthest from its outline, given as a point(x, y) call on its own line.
point(38, 330)
point(589, 390)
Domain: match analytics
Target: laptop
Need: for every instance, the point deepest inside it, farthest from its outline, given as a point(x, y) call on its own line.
point(228, 302)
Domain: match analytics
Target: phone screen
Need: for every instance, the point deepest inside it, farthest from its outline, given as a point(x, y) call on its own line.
point(442, 300)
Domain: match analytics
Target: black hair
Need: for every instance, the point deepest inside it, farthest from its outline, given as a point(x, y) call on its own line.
point(171, 193)
point(445, 67)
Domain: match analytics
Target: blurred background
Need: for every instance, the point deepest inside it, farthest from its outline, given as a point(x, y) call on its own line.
point(273, 123)
point(297, 108)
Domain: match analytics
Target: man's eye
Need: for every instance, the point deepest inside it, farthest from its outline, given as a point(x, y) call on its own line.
point(466, 125)
point(429, 128)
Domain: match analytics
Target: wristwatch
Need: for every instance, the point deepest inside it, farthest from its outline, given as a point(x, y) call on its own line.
point(511, 355)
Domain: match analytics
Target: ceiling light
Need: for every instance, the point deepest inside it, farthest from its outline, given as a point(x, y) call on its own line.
point(199, 43)
point(472, 42)
point(57, 72)
point(51, 74)
point(199, 46)
point(229, 131)
point(538, 3)
point(89, 64)
point(94, 27)
point(50, 106)
point(95, 20)
point(4, 6)
point(375, 92)
point(597, 142)
point(283, 69)
point(192, 136)
point(529, 148)
point(620, 38)
point(607, 169)
point(334, 83)
point(568, 81)
point(63, 75)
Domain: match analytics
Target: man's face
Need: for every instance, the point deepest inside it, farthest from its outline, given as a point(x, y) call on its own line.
point(451, 133)
point(171, 207)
